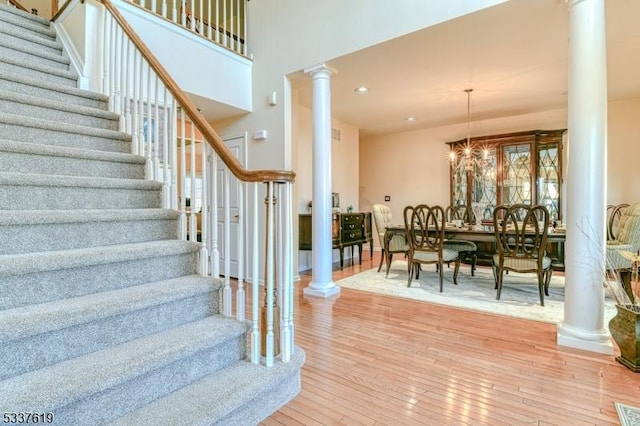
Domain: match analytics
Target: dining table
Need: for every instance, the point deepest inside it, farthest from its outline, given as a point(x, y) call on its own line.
point(485, 238)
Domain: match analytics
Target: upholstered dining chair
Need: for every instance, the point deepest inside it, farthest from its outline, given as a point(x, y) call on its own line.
point(466, 249)
point(614, 213)
point(424, 226)
point(521, 239)
point(626, 239)
point(398, 243)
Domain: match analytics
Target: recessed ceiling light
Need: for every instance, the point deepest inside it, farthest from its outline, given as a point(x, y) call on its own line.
point(410, 119)
point(361, 89)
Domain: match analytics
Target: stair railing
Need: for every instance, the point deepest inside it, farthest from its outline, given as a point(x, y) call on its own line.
point(192, 162)
point(221, 21)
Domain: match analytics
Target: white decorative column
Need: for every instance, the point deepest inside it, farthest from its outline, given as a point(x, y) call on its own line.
point(321, 284)
point(583, 326)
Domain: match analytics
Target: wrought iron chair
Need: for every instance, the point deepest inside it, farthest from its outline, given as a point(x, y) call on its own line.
point(521, 240)
point(424, 226)
point(397, 243)
point(466, 249)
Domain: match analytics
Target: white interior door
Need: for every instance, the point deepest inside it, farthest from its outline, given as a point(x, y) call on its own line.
point(237, 145)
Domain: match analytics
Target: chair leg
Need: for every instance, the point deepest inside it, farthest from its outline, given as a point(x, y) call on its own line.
point(547, 281)
point(418, 268)
point(499, 282)
point(381, 260)
point(541, 280)
point(410, 270)
point(389, 260)
point(494, 268)
point(474, 260)
point(455, 271)
point(441, 268)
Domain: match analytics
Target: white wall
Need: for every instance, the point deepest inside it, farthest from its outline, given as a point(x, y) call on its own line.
point(291, 35)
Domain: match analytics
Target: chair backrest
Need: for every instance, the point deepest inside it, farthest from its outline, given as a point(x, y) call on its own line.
point(424, 226)
point(614, 214)
point(521, 231)
point(459, 212)
point(629, 226)
point(382, 218)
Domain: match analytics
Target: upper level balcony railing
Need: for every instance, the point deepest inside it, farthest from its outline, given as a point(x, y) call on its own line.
point(221, 21)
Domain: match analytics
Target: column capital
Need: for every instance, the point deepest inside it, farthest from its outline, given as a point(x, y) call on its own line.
point(320, 69)
point(571, 3)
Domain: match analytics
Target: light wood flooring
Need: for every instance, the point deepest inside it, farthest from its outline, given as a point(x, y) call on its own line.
point(379, 360)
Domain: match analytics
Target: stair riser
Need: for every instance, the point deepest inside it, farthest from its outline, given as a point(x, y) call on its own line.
point(29, 197)
point(13, 51)
point(20, 19)
point(38, 73)
point(122, 398)
point(35, 352)
point(59, 138)
point(264, 404)
point(11, 24)
point(69, 166)
point(65, 236)
point(40, 287)
point(28, 110)
point(28, 89)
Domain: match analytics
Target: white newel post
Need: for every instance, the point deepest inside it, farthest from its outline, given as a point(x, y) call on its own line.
point(583, 326)
point(322, 284)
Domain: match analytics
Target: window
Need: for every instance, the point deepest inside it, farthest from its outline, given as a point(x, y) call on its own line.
point(524, 167)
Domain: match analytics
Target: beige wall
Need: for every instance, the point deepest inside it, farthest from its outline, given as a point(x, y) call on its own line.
point(412, 167)
point(623, 153)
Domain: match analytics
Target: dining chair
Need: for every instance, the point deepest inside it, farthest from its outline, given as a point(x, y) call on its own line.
point(614, 213)
point(424, 227)
point(521, 240)
point(397, 243)
point(466, 249)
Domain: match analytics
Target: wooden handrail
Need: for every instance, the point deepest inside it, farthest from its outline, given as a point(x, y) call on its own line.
point(64, 6)
point(17, 4)
point(191, 110)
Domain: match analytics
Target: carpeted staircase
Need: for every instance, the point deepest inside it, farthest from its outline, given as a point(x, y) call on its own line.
point(103, 317)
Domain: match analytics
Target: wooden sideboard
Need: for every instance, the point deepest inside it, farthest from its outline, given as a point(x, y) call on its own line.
point(347, 230)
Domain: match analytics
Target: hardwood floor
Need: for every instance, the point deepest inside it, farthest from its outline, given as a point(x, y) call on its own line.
point(378, 360)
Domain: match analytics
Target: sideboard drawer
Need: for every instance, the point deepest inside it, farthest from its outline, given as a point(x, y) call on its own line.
point(350, 236)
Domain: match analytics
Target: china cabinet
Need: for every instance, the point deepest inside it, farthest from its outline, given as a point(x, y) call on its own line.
point(523, 167)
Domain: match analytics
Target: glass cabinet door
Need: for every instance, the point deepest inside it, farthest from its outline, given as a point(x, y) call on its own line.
point(516, 174)
point(485, 183)
point(549, 178)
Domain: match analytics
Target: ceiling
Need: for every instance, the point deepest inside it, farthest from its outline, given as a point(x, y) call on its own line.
point(514, 56)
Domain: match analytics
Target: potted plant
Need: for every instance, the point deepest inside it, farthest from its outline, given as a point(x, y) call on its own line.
point(625, 326)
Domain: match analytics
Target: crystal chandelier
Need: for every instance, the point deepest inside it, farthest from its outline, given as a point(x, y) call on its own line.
point(471, 158)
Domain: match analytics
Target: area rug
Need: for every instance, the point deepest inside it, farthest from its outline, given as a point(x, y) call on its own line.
point(519, 297)
point(629, 416)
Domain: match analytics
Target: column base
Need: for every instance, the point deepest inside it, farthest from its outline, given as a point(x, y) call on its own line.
point(572, 337)
point(323, 290)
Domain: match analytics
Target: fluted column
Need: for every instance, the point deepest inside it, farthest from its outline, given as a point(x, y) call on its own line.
point(583, 326)
point(321, 284)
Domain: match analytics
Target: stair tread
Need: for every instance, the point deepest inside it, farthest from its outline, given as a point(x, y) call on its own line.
point(41, 83)
point(36, 319)
point(62, 127)
point(71, 380)
point(62, 59)
point(24, 14)
point(43, 68)
point(24, 263)
point(29, 24)
point(35, 179)
point(7, 95)
point(214, 396)
point(7, 145)
point(48, 217)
